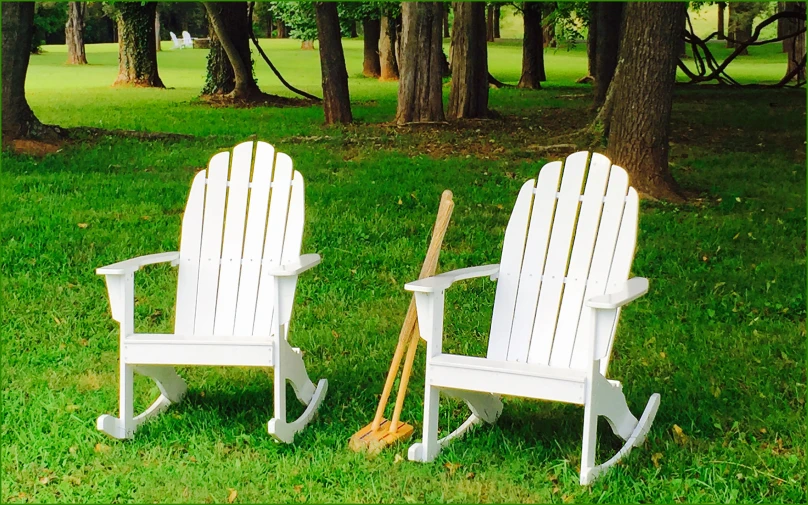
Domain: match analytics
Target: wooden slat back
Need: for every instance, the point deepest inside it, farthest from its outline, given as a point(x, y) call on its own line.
point(562, 246)
point(239, 220)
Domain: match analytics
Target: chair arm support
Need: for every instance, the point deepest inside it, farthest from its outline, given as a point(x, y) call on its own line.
point(631, 290)
point(135, 264)
point(442, 281)
point(306, 262)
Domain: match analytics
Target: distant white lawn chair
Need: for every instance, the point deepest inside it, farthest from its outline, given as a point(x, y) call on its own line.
point(562, 279)
point(238, 269)
point(177, 42)
point(187, 41)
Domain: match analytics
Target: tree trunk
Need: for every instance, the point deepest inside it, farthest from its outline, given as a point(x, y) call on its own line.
point(721, 7)
point(591, 40)
point(548, 33)
point(18, 120)
point(741, 17)
point(371, 65)
point(468, 97)
point(137, 51)
point(353, 30)
point(221, 78)
point(157, 31)
point(609, 19)
point(336, 101)
point(219, 15)
point(74, 33)
point(270, 23)
point(795, 46)
point(387, 50)
point(419, 91)
point(497, 9)
point(446, 33)
point(307, 45)
point(532, 48)
point(639, 127)
point(489, 30)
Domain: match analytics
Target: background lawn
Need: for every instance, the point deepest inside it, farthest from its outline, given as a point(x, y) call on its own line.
point(721, 334)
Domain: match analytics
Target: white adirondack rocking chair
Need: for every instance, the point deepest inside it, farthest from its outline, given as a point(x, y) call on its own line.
point(562, 279)
point(177, 42)
point(239, 260)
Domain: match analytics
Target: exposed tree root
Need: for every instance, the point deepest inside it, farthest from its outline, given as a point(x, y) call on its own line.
point(256, 100)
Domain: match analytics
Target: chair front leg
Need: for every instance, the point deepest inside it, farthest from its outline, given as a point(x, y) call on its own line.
point(430, 323)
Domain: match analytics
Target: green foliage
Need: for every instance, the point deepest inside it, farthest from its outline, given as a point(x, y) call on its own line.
point(49, 18)
point(299, 17)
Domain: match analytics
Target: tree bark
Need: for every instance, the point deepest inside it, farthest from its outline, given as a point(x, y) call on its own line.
point(387, 50)
point(307, 45)
point(371, 65)
point(591, 40)
point(497, 9)
point(354, 34)
point(468, 97)
point(74, 33)
point(336, 101)
point(244, 87)
point(795, 46)
point(18, 120)
point(157, 31)
point(221, 78)
point(609, 19)
point(639, 126)
point(721, 7)
point(419, 91)
point(137, 51)
point(489, 30)
point(741, 16)
point(532, 48)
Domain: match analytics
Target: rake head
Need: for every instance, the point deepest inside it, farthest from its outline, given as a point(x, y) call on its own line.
point(373, 441)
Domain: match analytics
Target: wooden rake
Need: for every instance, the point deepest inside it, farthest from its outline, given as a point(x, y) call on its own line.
point(382, 433)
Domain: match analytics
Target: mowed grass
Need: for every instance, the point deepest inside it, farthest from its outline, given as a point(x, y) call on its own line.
point(721, 334)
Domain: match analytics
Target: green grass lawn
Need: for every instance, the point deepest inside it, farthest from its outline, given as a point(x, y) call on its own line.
point(721, 334)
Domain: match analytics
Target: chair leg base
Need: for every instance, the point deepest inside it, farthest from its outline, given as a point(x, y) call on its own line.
point(637, 437)
point(113, 427)
point(285, 432)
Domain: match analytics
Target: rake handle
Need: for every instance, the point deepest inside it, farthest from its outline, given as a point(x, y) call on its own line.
point(427, 270)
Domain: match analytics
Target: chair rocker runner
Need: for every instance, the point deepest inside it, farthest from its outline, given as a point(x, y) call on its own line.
point(562, 280)
point(239, 260)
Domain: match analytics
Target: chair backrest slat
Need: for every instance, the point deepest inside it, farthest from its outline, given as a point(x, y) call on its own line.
point(562, 246)
point(538, 238)
point(242, 217)
point(558, 254)
point(510, 266)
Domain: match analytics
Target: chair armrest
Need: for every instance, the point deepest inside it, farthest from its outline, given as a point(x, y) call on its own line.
point(306, 262)
point(135, 264)
point(631, 290)
point(442, 281)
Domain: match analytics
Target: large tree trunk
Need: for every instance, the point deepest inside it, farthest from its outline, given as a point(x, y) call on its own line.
point(229, 23)
point(741, 16)
point(74, 33)
point(795, 46)
point(137, 51)
point(532, 48)
point(18, 120)
point(419, 90)
point(721, 7)
point(157, 31)
point(609, 18)
point(371, 66)
point(592, 41)
point(468, 97)
point(387, 50)
point(639, 126)
point(221, 78)
point(336, 102)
